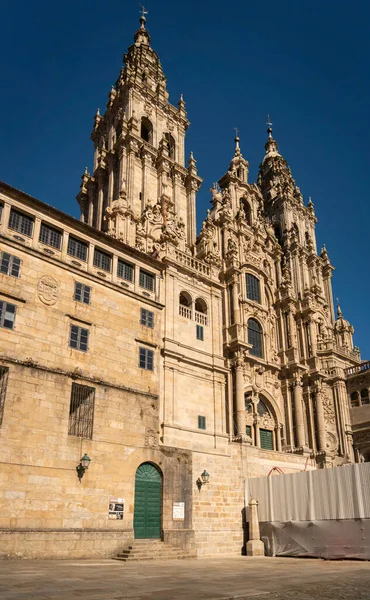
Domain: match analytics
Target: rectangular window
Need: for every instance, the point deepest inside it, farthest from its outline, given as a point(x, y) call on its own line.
point(7, 315)
point(21, 223)
point(77, 248)
point(147, 318)
point(9, 264)
point(248, 430)
point(102, 260)
point(50, 236)
point(200, 333)
point(82, 293)
point(125, 270)
point(146, 280)
point(201, 422)
point(253, 288)
point(79, 338)
point(81, 411)
point(146, 359)
point(3, 383)
point(266, 439)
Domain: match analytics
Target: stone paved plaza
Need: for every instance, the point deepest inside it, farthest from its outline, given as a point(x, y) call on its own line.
point(212, 579)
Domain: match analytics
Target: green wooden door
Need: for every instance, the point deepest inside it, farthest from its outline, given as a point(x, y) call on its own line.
point(266, 439)
point(147, 510)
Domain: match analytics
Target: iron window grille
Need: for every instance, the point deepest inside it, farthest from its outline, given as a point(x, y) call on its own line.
point(146, 280)
point(125, 270)
point(7, 315)
point(102, 260)
point(82, 292)
point(201, 422)
point(147, 318)
point(200, 333)
point(79, 338)
point(3, 385)
point(255, 338)
point(77, 248)
point(21, 223)
point(9, 264)
point(146, 359)
point(81, 411)
point(50, 236)
point(253, 288)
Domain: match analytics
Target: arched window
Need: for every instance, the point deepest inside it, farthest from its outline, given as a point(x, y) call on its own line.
point(200, 311)
point(248, 402)
point(262, 409)
point(185, 303)
point(365, 396)
point(170, 140)
point(255, 338)
point(146, 131)
point(118, 131)
point(253, 288)
point(355, 400)
point(278, 235)
point(247, 210)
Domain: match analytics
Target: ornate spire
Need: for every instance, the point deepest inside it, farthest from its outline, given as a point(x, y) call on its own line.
point(142, 36)
point(271, 144)
point(237, 142)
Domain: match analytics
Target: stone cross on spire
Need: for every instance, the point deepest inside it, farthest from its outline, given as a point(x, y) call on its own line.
point(143, 12)
point(269, 125)
point(237, 140)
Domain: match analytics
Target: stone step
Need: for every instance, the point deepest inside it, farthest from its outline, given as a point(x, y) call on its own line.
point(141, 554)
point(142, 550)
point(138, 559)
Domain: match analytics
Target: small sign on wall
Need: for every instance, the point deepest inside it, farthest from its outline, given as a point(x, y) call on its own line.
point(116, 508)
point(178, 511)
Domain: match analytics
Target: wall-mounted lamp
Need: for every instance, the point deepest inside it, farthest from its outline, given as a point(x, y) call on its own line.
point(203, 479)
point(83, 466)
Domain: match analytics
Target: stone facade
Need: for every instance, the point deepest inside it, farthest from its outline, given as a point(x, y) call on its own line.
point(127, 337)
point(358, 386)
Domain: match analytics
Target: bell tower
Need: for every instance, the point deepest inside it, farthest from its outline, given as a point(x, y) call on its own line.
point(140, 190)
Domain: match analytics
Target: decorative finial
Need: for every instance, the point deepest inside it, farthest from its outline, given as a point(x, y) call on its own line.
point(142, 17)
point(237, 139)
point(269, 126)
point(98, 112)
point(86, 171)
point(339, 311)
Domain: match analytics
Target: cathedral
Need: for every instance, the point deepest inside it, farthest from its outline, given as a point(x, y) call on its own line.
point(147, 371)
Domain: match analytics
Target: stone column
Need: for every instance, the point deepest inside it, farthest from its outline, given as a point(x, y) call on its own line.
point(321, 433)
point(293, 337)
point(313, 337)
point(298, 410)
point(257, 431)
point(235, 293)
point(239, 396)
point(111, 177)
point(191, 192)
point(255, 546)
point(278, 437)
point(99, 216)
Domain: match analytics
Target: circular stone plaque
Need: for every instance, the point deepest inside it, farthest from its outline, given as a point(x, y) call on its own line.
point(48, 290)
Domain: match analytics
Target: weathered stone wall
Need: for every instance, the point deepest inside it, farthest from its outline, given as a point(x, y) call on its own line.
point(218, 507)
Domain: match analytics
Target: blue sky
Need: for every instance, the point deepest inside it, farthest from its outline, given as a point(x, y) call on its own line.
point(306, 62)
